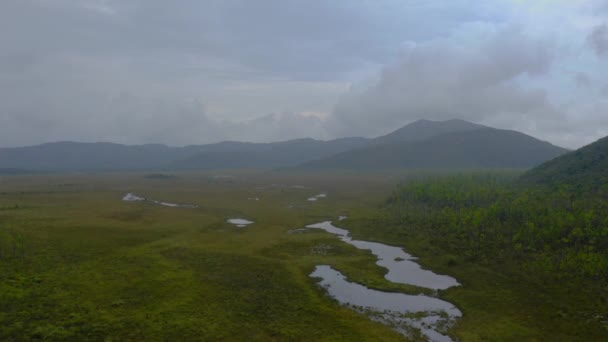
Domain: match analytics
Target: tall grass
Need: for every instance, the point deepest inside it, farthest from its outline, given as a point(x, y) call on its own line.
point(12, 243)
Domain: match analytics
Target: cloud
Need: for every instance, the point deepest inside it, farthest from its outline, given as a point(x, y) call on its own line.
point(583, 80)
point(192, 71)
point(598, 40)
point(131, 119)
point(317, 39)
point(278, 127)
point(83, 98)
point(475, 74)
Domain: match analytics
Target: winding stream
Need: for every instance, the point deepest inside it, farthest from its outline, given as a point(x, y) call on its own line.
point(430, 315)
point(406, 314)
point(401, 268)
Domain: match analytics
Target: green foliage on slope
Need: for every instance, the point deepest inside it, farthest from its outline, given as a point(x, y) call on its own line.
point(488, 220)
point(585, 169)
point(533, 261)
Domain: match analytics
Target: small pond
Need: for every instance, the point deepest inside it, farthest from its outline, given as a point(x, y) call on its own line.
point(241, 223)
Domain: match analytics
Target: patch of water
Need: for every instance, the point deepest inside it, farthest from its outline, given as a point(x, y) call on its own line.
point(330, 228)
point(401, 268)
point(131, 197)
point(430, 315)
point(316, 197)
point(241, 223)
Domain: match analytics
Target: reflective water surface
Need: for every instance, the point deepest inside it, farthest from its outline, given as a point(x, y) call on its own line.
point(402, 312)
point(131, 197)
point(241, 223)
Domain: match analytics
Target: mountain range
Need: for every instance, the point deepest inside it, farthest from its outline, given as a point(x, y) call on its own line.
point(421, 144)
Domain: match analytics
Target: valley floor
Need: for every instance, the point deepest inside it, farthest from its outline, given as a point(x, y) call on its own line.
point(78, 263)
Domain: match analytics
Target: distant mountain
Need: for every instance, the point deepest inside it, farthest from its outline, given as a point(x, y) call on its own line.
point(426, 129)
point(270, 155)
point(72, 156)
point(483, 147)
point(63, 156)
point(421, 144)
point(15, 172)
point(584, 169)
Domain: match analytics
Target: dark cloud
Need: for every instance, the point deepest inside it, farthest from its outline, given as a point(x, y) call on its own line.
point(598, 40)
point(314, 39)
point(583, 80)
point(130, 70)
point(475, 77)
point(191, 71)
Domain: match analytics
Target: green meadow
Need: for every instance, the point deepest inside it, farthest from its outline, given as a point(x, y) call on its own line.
point(80, 264)
point(77, 263)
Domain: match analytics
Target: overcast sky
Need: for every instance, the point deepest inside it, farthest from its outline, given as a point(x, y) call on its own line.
point(198, 71)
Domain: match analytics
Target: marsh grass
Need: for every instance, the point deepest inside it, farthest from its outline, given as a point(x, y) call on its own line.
point(12, 243)
point(78, 264)
point(96, 268)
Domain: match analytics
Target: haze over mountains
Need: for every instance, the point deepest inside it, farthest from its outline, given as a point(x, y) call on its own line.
point(473, 148)
point(426, 129)
point(421, 144)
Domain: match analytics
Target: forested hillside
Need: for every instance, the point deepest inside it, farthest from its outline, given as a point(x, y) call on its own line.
point(585, 169)
point(542, 243)
point(490, 219)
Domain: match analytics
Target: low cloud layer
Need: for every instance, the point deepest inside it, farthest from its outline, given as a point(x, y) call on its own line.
point(475, 76)
point(192, 72)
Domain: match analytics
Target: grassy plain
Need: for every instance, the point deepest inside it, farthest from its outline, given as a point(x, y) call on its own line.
point(80, 264)
point(77, 263)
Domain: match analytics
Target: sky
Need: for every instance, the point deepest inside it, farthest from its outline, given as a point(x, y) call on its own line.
point(201, 71)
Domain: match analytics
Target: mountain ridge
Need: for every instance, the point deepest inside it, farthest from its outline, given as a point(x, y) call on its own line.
point(478, 148)
point(424, 129)
point(582, 169)
point(108, 156)
point(390, 150)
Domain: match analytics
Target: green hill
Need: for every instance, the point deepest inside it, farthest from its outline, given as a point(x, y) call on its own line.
point(584, 169)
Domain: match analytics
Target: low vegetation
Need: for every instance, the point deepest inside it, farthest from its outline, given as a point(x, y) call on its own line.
point(96, 268)
point(507, 244)
point(77, 263)
point(160, 176)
